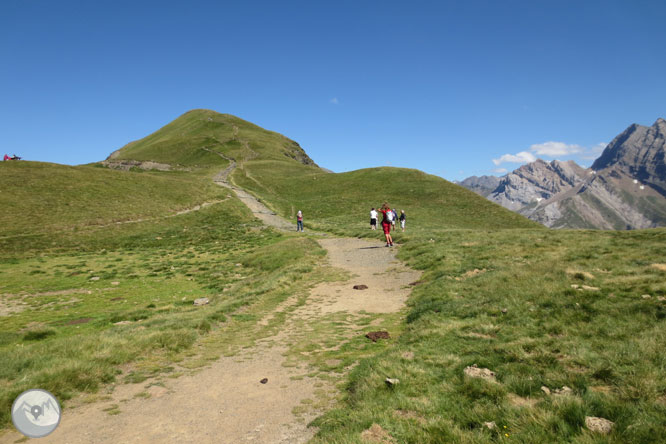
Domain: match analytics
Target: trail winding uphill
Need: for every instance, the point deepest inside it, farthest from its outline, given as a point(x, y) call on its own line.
point(226, 402)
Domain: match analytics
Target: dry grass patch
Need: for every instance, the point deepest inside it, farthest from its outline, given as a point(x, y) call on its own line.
point(376, 434)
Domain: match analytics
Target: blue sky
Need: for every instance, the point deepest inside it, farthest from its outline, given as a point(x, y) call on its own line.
point(451, 88)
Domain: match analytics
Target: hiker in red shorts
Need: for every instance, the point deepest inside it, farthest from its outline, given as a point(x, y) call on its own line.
point(386, 223)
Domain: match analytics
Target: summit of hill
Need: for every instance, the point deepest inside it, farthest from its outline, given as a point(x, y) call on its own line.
point(198, 137)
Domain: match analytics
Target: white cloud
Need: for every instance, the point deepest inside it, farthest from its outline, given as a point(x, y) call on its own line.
point(594, 152)
point(334, 101)
point(500, 171)
point(553, 149)
point(521, 157)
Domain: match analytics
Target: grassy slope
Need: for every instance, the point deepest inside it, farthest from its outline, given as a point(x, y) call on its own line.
point(42, 197)
point(606, 344)
point(181, 141)
point(57, 325)
point(342, 202)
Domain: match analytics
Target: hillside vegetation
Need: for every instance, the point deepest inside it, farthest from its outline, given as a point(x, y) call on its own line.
point(84, 296)
point(182, 142)
point(42, 197)
point(342, 202)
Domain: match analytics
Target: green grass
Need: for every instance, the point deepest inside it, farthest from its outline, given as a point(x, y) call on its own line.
point(43, 198)
point(82, 304)
point(341, 203)
point(89, 301)
point(607, 345)
point(181, 142)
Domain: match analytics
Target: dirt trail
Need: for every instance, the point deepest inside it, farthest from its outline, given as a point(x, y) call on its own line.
point(226, 402)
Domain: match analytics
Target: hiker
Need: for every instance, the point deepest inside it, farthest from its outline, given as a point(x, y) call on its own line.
point(299, 221)
point(373, 219)
point(6, 158)
point(394, 217)
point(402, 220)
point(386, 223)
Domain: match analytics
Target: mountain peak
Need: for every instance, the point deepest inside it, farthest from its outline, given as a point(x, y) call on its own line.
point(203, 137)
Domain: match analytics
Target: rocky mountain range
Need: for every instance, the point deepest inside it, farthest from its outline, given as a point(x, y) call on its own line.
point(624, 189)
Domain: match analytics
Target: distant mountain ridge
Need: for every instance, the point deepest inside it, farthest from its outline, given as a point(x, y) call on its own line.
point(624, 189)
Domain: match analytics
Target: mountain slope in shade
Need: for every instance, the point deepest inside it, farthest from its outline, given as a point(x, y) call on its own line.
point(481, 185)
point(624, 189)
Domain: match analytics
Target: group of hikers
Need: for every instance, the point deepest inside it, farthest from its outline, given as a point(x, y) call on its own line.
point(390, 216)
point(14, 157)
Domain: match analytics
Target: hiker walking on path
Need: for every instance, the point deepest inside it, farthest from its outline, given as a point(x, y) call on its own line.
point(394, 217)
point(402, 220)
point(373, 219)
point(386, 223)
point(299, 221)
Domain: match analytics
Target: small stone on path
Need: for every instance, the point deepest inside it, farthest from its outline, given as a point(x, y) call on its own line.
point(201, 301)
point(360, 287)
point(545, 389)
point(94, 278)
point(264, 381)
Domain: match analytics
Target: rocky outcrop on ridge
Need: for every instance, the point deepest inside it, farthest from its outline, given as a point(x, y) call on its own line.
point(535, 182)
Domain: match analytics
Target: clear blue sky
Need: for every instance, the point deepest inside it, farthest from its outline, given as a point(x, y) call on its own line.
point(442, 86)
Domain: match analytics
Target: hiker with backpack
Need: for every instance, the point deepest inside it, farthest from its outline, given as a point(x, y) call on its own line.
point(386, 223)
point(403, 218)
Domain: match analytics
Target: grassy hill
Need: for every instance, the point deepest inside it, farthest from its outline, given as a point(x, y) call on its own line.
point(342, 202)
point(84, 296)
point(182, 142)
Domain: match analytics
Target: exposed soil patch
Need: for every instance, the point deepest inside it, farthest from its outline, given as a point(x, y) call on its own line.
point(376, 434)
point(374, 336)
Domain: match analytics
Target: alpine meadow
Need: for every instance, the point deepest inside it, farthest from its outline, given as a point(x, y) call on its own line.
point(511, 332)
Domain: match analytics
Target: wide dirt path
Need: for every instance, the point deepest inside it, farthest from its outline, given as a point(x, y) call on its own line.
point(226, 402)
